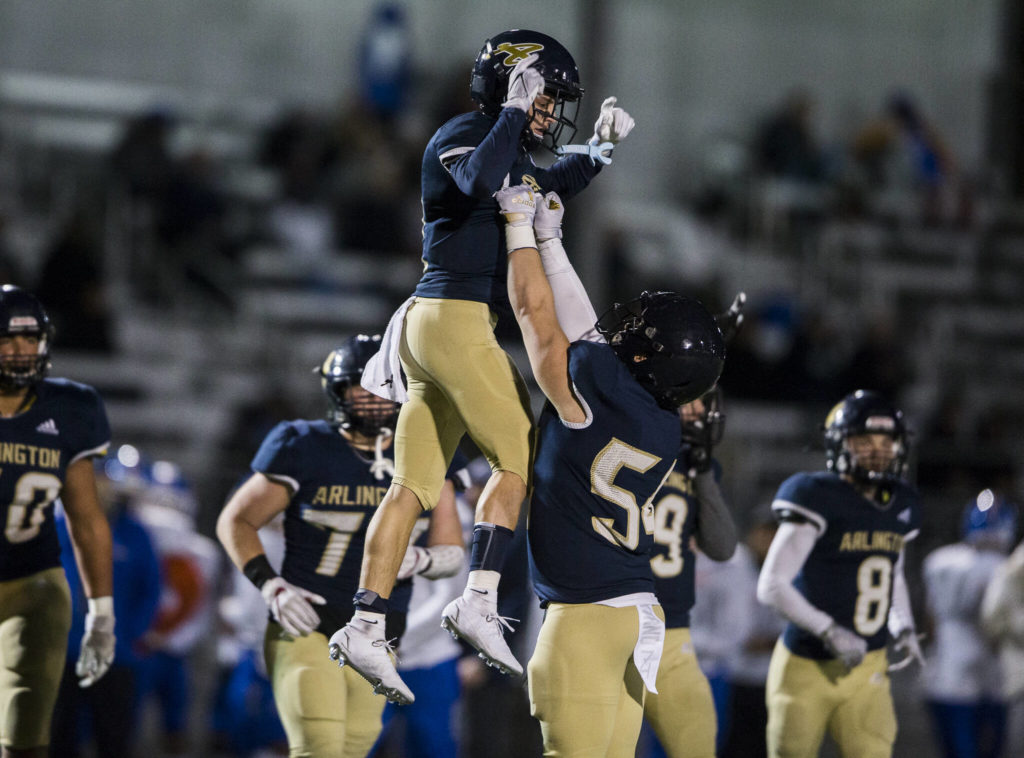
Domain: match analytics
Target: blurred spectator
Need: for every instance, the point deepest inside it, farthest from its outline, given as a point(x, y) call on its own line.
point(748, 716)
point(1002, 617)
point(73, 286)
point(962, 678)
point(108, 709)
point(10, 271)
point(385, 61)
point(376, 188)
point(903, 151)
point(142, 158)
point(299, 147)
point(785, 145)
point(880, 361)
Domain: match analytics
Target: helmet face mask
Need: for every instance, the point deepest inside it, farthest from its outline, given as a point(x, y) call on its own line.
point(866, 439)
point(22, 315)
point(669, 342)
point(490, 77)
point(350, 407)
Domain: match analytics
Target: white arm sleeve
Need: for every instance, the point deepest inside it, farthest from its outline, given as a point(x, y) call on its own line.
point(786, 556)
point(572, 305)
point(901, 617)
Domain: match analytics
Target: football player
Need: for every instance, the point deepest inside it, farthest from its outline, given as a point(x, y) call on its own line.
point(963, 682)
point(835, 571)
point(442, 339)
point(328, 477)
point(688, 507)
point(50, 429)
point(608, 439)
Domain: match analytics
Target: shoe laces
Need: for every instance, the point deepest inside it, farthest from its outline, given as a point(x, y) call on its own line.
point(501, 620)
point(389, 647)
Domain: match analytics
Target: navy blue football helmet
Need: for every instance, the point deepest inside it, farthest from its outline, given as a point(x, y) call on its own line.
point(22, 314)
point(865, 412)
point(670, 343)
point(488, 85)
point(341, 371)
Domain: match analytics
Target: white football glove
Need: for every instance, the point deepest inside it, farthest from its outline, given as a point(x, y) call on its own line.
point(97, 651)
point(518, 205)
point(547, 222)
point(291, 606)
point(524, 84)
point(907, 646)
point(847, 646)
point(613, 123)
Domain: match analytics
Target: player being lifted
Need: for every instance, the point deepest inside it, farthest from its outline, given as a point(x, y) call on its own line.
point(460, 381)
point(328, 477)
point(50, 429)
point(835, 571)
point(608, 439)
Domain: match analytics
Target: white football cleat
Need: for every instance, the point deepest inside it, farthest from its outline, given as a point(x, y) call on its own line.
point(478, 623)
point(361, 645)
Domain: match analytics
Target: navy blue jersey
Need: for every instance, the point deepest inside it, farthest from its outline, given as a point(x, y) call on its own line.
point(591, 515)
point(672, 558)
point(64, 422)
point(849, 573)
point(333, 497)
point(466, 161)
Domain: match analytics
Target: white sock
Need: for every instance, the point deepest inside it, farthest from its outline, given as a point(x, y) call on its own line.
point(485, 583)
point(370, 617)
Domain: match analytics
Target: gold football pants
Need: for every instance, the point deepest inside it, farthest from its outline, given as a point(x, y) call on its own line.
point(805, 697)
point(326, 711)
point(35, 616)
point(460, 381)
point(682, 714)
point(584, 687)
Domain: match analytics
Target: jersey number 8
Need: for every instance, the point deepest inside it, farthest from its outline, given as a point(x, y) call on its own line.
point(874, 582)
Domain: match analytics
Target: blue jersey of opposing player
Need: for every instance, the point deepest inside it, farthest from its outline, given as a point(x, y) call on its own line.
point(849, 573)
point(590, 518)
point(467, 160)
point(64, 422)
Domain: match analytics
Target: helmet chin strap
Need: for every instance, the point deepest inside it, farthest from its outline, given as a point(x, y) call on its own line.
point(381, 466)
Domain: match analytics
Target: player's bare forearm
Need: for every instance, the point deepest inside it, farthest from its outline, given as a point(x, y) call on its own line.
point(88, 529)
point(545, 342)
point(252, 506)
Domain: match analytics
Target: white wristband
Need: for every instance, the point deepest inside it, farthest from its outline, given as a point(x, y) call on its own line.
point(518, 237)
point(101, 606)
